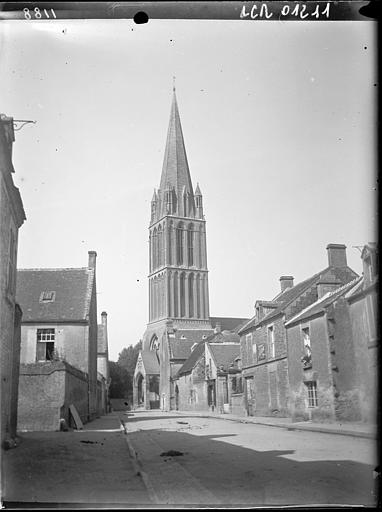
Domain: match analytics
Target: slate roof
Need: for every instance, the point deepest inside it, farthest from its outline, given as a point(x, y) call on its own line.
point(72, 287)
point(224, 354)
point(322, 303)
point(289, 295)
point(180, 345)
point(150, 362)
point(195, 355)
point(198, 351)
point(101, 340)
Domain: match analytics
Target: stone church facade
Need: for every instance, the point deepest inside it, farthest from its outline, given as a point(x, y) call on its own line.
point(179, 313)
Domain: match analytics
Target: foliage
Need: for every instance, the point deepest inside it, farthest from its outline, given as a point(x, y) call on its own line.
point(127, 358)
point(121, 381)
point(122, 372)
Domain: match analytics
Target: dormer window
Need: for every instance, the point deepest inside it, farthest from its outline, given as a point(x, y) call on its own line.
point(47, 297)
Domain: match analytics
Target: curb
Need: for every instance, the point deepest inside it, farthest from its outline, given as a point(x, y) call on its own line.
point(291, 426)
point(138, 467)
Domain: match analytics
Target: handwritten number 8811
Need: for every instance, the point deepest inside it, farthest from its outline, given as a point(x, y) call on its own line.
point(37, 14)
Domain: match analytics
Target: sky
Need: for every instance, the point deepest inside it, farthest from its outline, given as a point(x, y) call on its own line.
point(279, 125)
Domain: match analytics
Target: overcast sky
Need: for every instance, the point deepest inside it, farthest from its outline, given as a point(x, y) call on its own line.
point(279, 127)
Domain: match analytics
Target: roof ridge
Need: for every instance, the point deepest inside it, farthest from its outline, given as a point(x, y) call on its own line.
point(52, 269)
point(327, 295)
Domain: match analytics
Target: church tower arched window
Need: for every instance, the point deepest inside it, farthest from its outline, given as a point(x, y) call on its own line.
point(190, 245)
point(191, 295)
point(160, 246)
point(176, 295)
point(179, 244)
point(182, 296)
point(155, 248)
point(198, 296)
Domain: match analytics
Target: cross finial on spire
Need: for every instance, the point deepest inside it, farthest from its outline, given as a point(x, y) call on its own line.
point(173, 83)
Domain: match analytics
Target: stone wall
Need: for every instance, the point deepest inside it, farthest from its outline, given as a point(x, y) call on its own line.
point(363, 318)
point(10, 343)
point(46, 390)
point(192, 394)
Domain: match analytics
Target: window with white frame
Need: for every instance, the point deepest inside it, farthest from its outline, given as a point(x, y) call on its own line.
point(45, 344)
point(312, 393)
point(271, 341)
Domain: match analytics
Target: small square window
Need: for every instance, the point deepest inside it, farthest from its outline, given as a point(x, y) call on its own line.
point(47, 296)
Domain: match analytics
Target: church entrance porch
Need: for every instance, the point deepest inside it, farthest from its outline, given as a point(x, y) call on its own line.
point(141, 393)
point(211, 394)
point(146, 391)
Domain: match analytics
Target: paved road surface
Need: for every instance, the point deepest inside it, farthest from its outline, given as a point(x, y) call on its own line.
point(231, 463)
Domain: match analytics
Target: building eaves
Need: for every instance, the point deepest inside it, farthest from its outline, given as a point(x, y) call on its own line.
point(285, 299)
point(321, 304)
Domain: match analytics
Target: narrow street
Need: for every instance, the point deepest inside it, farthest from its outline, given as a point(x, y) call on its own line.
point(160, 459)
point(230, 463)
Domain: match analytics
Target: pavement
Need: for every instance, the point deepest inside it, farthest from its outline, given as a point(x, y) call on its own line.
point(90, 467)
point(191, 459)
point(356, 429)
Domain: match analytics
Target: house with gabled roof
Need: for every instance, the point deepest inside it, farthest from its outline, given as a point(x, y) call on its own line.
point(264, 342)
point(322, 360)
point(364, 320)
point(204, 380)
point(58, 345)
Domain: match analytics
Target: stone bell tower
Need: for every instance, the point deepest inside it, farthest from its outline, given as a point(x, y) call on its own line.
point(178, 275)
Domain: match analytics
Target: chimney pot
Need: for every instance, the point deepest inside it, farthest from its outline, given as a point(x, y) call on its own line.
point(92, 259)
point(336, 255)
point(286, 282)
point(218, 328)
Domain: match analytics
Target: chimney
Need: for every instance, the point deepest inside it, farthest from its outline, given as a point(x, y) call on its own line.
point(286, 282)
point(92, 259)
point(337, 255)
point(218, 328)
point(170, 327)
point(104, 318)
point(323, 287)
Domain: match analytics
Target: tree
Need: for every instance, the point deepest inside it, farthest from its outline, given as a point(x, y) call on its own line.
point(121, 381)
point(127, 358)
point(122, 372)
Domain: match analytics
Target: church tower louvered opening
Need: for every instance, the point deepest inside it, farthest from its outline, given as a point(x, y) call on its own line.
point(178, 275)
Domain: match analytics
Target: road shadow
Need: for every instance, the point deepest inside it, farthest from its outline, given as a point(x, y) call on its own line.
point(241, 476)
point(130, 417)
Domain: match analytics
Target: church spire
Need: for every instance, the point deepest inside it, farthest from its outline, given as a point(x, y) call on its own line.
point(175, 171)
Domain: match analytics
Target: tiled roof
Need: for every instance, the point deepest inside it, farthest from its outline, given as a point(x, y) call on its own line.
point(72, 287)
point(224, 354)
point(101, 340)
point(322, 303)
point(228, 324)
point(289, 295)
point(150, 362)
